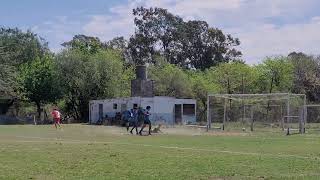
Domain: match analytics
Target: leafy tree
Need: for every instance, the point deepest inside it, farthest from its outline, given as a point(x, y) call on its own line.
point(189, 44)
point(8, 82)
point(275, 75)
point(91, 76)
point(170, 80)
point(39, 82)
point(156, 25)
point(17, 48)
point(121, 44)
point(306, 78)
point(201, 86)
point(141, 49)
point(117, 43)
point(233, 77)
point(86, 44)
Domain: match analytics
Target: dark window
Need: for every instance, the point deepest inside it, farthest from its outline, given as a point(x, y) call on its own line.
point(115, 106)
point(188, 109)
point(135, 105)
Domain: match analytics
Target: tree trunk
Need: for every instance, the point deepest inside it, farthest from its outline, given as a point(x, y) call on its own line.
point(46, 119)
point(38, 110)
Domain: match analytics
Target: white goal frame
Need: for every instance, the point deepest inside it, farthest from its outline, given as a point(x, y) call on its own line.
point(264, 97)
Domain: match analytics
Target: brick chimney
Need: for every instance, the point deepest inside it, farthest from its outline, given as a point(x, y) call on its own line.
point(142, 86)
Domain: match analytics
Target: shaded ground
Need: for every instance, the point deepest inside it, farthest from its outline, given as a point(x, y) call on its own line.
point(99, 152)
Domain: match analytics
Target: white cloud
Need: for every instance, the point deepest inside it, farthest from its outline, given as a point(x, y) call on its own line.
point(34, 28)
point(58, 30)
point(267, 40)
point(118, 22)
point(106, 27)
point(316, 19)
point(264, 27)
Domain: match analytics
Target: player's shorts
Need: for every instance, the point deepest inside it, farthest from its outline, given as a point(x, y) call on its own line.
point(133, 122)
point(57, 120)
point(146, 121)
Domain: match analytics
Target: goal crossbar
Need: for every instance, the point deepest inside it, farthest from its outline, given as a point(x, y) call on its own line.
point(266, 94)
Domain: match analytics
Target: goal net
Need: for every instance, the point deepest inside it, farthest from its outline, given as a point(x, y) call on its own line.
point(257, 112)
point(312, 122)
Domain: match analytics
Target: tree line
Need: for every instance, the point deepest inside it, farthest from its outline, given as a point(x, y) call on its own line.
point(187, 59)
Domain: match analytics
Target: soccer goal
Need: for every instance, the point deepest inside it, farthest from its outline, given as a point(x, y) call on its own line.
point(257, 112)
point(313, 118)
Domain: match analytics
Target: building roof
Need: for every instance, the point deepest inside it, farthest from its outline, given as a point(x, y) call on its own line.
point(131, 98)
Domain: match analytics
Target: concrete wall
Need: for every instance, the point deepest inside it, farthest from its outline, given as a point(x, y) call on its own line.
point(5, 120)
point(164, 110)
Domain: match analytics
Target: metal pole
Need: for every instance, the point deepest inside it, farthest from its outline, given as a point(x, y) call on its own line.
point(288, 115)
point(34, 120)
point(305, 114)
point(300, 118)
point(282, 118)
point(244, 112)
point(252, 120)
point(208, 113)
point(224, 114)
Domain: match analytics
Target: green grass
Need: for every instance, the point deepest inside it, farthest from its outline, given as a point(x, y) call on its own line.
point(99, 152)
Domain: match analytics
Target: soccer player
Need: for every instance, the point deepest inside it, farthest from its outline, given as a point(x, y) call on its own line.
point(126, 115)
point(134, 120)
point(146, 120)
point(56, 117)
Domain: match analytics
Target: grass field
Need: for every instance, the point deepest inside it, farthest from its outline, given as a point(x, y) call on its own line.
point(99, 152)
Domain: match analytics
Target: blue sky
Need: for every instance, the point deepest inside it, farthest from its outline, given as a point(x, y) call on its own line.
point(264, 27)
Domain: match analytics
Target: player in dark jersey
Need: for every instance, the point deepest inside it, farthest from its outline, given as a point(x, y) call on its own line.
point(146, 120)
point(133, 120)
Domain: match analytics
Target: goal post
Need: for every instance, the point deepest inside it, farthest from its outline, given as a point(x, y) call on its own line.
point(257, 112)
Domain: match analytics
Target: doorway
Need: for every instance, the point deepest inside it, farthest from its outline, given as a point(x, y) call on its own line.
point(178, 113)
point(100, 111)
point(123, 107)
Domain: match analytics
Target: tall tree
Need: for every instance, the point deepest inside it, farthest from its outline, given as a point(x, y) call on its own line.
point(86, 44)
point(39, 82)
point(275, 75)
point(141, 49)
point(233, 77)
point(159, 27)
point(17, 48)
point(191, 44)
point(170, 80)
point(8, 83)
point(117, 43)
point(306, 75)
point(201, 86)
point(91, 76)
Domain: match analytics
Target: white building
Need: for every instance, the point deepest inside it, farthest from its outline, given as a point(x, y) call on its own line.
point(164, 110)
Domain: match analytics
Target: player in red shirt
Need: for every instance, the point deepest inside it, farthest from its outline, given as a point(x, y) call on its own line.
point(56, 117)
